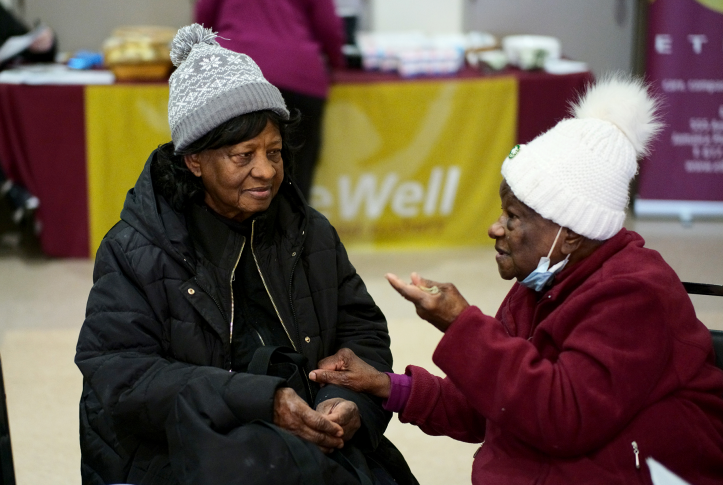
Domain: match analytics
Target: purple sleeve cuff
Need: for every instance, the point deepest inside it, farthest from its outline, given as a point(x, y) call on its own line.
point(401, 388)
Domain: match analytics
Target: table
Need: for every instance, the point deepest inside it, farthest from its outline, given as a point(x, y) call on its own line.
point(419, 159)
point(542, 98)
point(42, 146)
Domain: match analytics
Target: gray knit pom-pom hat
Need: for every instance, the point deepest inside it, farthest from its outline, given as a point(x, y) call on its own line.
point(211, 85)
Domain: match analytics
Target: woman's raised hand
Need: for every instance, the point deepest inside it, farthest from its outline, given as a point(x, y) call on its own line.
point(437, 303)
point(347, 370)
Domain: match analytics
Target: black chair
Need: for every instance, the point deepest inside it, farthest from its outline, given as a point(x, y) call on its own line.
point(711, 290)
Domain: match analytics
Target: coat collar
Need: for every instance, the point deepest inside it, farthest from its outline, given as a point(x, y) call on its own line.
point(283, 224)
point(151, 215)
point(285, 221)
point(572, 277)
point(212, 239)
point(522, 304)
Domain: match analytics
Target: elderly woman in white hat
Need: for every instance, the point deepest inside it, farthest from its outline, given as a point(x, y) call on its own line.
point(595, 360)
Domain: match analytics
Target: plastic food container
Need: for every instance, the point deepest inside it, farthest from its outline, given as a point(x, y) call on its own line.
point(531, 51)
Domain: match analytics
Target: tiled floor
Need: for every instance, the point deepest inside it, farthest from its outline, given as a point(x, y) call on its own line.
point(42, 304)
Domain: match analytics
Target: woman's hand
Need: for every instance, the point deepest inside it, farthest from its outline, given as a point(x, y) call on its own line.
point(439, 307)
point(347, 370)
point(342, 412)
point(44, 41)
point(295, 416)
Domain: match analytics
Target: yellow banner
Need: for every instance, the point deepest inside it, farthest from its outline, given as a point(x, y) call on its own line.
point(124, 124)
point(407, 164)
point(415, 164)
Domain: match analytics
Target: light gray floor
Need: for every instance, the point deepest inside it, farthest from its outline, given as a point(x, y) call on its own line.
point(42, 303)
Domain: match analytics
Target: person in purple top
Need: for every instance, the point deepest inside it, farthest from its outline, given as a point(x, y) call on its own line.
point(294, 42)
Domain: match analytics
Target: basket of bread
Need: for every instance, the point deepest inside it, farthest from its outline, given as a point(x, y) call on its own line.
point(139, 53)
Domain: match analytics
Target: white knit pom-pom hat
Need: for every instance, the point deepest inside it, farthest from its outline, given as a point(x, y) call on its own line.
point(578, 173)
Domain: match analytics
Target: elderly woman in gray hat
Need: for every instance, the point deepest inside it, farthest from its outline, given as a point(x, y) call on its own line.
point(595, 360)
point(215, 295)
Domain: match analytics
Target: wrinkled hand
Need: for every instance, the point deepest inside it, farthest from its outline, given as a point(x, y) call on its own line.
point(347, 370)
point(439, 309)
point(295, 416)
point(342, 412)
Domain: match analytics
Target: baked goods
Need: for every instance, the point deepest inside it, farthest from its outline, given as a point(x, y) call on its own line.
point(139, 53)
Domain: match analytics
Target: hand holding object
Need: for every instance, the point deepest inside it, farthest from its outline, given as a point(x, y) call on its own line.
point(440, 307)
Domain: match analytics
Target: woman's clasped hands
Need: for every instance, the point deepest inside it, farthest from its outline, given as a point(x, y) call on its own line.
point(329, 426)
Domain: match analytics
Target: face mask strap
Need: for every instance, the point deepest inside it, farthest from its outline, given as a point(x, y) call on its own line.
point(554, 242)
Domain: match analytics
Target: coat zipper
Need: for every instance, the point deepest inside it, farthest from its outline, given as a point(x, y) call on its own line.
point(636, 450)
point(263, 280)
point(230, 283)
point(291, 300)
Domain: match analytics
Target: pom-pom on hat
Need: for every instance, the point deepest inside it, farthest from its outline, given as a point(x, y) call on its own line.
point(211, 85)
point(578, 173)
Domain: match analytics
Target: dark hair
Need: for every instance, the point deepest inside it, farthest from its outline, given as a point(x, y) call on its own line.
point(179, 186)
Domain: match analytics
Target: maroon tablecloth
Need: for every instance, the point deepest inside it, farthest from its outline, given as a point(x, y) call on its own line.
point(43, 147)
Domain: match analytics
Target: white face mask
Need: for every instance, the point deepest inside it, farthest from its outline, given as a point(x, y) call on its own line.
point(542, 276)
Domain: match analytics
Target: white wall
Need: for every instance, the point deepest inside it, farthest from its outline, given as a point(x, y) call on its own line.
point(84, 24)
point(431, 16)
point(600, 32)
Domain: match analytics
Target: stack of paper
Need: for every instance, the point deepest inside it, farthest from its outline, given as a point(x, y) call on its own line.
point(54, 74)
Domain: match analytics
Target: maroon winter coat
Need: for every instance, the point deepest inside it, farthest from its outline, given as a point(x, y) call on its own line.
point(560, 384)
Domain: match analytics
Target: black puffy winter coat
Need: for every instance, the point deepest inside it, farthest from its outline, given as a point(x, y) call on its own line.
point(156, 337)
